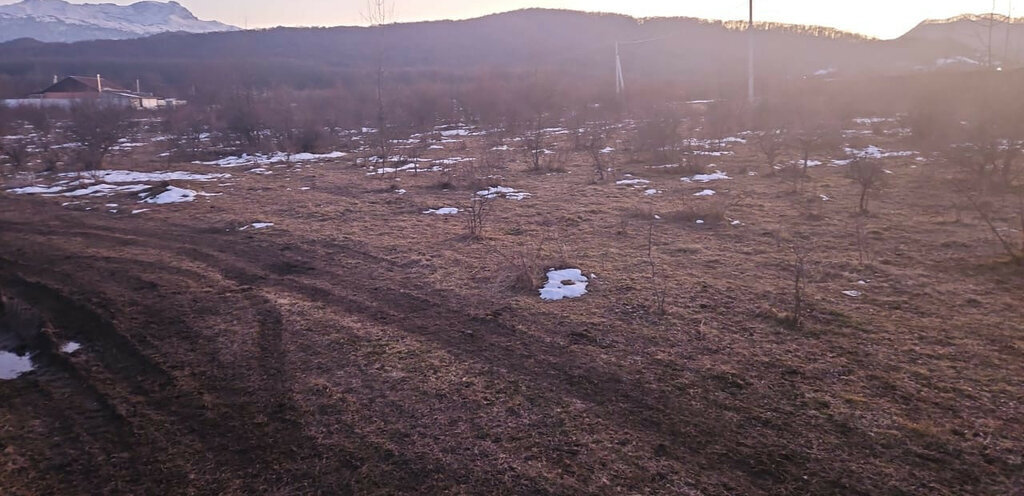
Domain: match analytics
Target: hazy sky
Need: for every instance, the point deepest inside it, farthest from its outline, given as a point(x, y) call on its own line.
point(880, 18)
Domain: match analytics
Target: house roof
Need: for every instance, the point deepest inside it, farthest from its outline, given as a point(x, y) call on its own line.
point(81, 84)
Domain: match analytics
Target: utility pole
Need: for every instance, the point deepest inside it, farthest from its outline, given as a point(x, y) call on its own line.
point(620, 83)
point(750, 56)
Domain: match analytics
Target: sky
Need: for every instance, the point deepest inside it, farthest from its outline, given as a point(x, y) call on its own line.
point(878, 18)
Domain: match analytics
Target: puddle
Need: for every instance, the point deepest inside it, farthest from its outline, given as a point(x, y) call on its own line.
point(13, 365)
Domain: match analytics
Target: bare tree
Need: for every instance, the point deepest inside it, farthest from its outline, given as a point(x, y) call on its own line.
point(535, 150)
point(657, 286)
point(379, 13)
point(477, 214)
point(16, 151)
point(98, 126)
point(771, 143)
point(985, 211)
point(595, 146)
point(801, 255)
point(868, 175)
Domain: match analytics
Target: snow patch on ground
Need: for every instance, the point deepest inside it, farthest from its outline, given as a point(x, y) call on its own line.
point(257, 225)
point(706, 192)
point(636, 182)
point(70, 347)
point(124, 176)
point(262, 159)
point(171, 195)
point(106, 190)
point(705, 178)
point(33, 190)
point(503, 191)
point(564, 283)
point(12, 365)
point(875, 152)
point(442, 211)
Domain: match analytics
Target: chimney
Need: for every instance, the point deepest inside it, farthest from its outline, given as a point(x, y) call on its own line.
point(99, 84)
point(55, 78)
point(138, 87)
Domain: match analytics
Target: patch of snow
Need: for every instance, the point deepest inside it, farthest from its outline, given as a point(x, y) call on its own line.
point(867, 121)
point(651, 192)
point(70, 347)
point(504, 191)
point(262, 159)
point(704, 178)
point(106, 190)
point(960, 59)
point(706, 192)
point(171, 195)
point(257, 225)
point(632, 182)
point(32, 190)
point(565, 283)
point(139, 211)
point(442, 211)
point(607, 150)
point(12, 365)
point(875, 152)
point(853, 294)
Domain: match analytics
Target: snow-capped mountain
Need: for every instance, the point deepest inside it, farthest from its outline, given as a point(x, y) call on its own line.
point(60, 21)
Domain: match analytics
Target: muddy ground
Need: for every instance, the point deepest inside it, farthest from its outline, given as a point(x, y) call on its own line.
point(359, 346)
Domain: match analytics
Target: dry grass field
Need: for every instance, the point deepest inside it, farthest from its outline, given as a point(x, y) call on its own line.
point(360, 346)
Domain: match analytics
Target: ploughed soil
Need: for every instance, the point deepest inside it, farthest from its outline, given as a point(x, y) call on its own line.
point(359, 346)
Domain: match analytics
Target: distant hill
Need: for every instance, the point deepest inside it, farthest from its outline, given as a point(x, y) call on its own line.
point(966, 38)
point(572, 44)
point(60, 21)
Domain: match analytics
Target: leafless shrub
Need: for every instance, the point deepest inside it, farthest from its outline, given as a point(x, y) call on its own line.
point(691, 163)
point(801, 253)
point(187, 125)
point(49, 156)
point(868, 176)
point(243, 121)
point(595, 143)
point(987, 211)
point(98, 127)
point(706, 211)
point(657, 284)
point(523, 272)
point(657, 136)
point(476, 214)
point(863, 249)
point(16, 152)
point(535, 150)
point(771, 144)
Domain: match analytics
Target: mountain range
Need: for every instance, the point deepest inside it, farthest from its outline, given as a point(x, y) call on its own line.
point(574, 45)
point(60, 21)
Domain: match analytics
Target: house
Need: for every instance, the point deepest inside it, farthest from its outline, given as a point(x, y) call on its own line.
point(65, 92)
